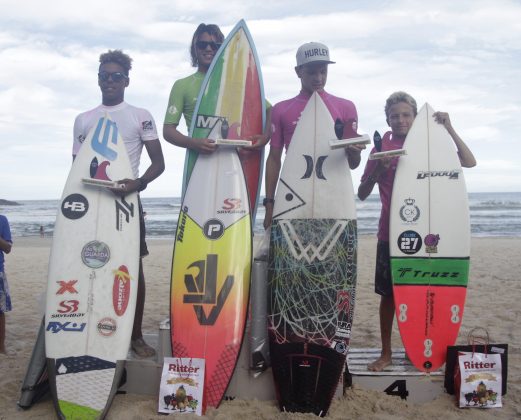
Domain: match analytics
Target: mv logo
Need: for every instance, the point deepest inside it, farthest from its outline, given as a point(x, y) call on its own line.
point(310, 252)
point(310, 166)
point(103, 135)
point(202, 289)
point(211, 122)
point(124, 210)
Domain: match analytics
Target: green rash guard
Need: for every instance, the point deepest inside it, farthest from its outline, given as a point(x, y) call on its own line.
point(183, 98)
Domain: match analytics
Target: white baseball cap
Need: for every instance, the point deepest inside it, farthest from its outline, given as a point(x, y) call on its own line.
point(313, 52)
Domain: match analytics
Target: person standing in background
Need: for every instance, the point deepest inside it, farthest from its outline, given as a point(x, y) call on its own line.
point(5, 298)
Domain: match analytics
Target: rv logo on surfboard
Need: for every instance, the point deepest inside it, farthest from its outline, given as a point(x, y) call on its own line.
point(202, 289)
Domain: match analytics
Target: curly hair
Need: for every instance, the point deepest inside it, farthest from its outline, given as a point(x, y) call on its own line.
point(397, 97)
point(118, 57)
point(210, 30)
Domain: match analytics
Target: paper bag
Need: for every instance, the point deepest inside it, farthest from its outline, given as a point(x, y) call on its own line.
point(478, 378)
point(181, 387)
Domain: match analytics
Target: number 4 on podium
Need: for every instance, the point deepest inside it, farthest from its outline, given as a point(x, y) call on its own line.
point(398, 388)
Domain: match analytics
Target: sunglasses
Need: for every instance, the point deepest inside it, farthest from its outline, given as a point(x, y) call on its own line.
point(116, 76)
point(202, 45)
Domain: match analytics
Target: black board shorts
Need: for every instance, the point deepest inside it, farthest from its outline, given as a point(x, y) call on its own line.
point(383, 283)
point(143, 249)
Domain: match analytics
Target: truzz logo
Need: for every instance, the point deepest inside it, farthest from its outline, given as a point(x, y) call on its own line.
point(202, 289)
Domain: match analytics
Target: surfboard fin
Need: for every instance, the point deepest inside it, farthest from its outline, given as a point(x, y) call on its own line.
point(377, 140)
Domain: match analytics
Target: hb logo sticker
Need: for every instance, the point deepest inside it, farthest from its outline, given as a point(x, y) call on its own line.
point(74, 206)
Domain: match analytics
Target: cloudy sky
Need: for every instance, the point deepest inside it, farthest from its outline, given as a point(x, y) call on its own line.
point(462, 57)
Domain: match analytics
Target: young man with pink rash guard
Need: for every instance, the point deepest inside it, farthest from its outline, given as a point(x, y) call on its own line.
point(400, 112)
point(312, 66)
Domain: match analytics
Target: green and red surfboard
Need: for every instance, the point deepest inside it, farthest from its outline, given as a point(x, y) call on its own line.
point(429, 242)
point(230, 93)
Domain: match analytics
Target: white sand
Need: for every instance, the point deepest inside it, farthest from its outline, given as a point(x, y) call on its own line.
point(493, 302)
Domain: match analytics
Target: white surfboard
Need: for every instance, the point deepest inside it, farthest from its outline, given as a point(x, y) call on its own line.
point(429, 242)
point(92, 280)
point(312, 265)
point(306, 188)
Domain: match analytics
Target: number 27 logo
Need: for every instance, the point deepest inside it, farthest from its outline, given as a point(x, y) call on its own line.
point(409, 242)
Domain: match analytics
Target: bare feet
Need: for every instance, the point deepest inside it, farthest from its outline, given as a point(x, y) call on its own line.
point(380, 364)
point(141, 348)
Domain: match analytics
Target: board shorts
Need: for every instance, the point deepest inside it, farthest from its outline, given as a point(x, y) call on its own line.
point(5, 297)
point(383, 283)
point(143, 249)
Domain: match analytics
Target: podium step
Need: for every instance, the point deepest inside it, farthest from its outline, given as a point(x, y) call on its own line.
point(401, 378)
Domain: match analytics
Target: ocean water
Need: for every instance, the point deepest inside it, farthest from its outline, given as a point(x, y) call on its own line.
point(491, 214)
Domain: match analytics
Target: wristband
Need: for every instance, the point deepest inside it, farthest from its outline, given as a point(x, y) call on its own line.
point(143, 183)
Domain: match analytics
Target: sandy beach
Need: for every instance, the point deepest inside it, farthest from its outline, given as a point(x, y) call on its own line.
point(492, 302)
